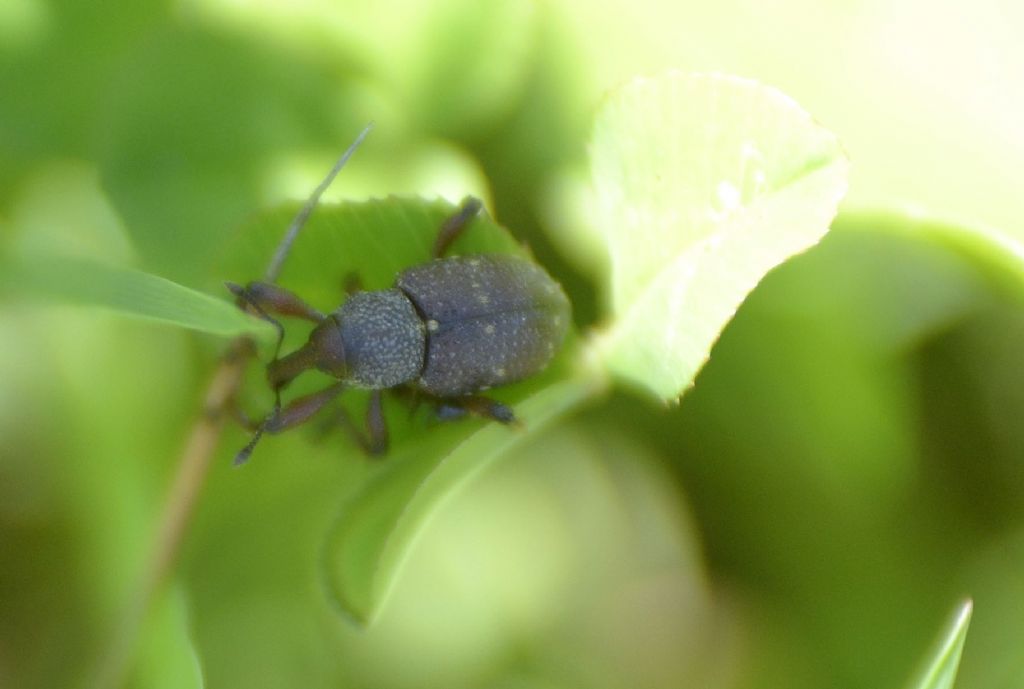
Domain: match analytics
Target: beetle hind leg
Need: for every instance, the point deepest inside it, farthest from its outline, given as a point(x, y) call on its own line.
point(374, 439)
point(454, 225)
point(449, 409)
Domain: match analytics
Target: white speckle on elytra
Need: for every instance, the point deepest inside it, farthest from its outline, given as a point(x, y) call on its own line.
point(489, 328)
point(432, 325)
point(499, 373)
point(474, 262)
point(483, 299)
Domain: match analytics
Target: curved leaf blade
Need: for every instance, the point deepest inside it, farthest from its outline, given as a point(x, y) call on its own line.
point(375, 531)
point(703, 183)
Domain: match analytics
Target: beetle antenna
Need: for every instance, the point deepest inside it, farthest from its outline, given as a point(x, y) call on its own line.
point(274, 269)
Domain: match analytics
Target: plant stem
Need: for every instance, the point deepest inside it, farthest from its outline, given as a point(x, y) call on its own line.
point(184, 493)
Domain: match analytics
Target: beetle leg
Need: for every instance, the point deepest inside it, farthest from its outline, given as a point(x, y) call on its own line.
point(302, 409)
point(376, 425)
point(374, 441)
point(245, 300)
point(408, 395)
point(271, 298)
point(352, 283)
point(478, 405)
point(264, 297)
point(454, 225)
point(298, 411)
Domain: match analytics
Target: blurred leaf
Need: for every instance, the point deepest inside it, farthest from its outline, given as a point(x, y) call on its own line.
point(940, 671)
point(192, 118)
point(168, 657)
point(376, 529)
point(997, 255)
point(457, 67)
point(471, 64)
point(130, 292)
point(703, 183)
point(452, 67)
point(58, 58)
point(863, 442)
point(894, 281)
point(614, 582)
point(82, 225)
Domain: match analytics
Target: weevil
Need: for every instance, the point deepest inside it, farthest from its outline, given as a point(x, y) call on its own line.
point(447, 330)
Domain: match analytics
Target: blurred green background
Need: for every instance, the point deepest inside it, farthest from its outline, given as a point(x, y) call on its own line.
point(846, 468)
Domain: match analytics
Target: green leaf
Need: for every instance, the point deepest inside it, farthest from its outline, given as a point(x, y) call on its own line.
point(168, 658)
point(702, 183)
point(376, 529)
point(130, 292)
point(481, 72)
point(997, 254)
point(375, 240)
point(182, 179)
point(940, 670)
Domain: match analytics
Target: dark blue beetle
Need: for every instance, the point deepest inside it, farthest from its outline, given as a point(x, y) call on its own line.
point(449, 329)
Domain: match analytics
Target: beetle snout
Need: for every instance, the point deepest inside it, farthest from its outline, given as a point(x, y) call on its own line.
point(324, 351)
point(282, 371)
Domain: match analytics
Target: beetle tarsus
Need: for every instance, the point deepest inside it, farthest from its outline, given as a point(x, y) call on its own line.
point(243, 455)
point(477, 405)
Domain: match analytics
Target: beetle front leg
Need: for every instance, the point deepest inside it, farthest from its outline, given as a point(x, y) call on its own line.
point(265, 298)
point(454, 225)
point(302, 409)
point(273, 299)
point(297, 412)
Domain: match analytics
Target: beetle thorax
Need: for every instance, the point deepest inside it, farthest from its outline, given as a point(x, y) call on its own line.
point(384, 339)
